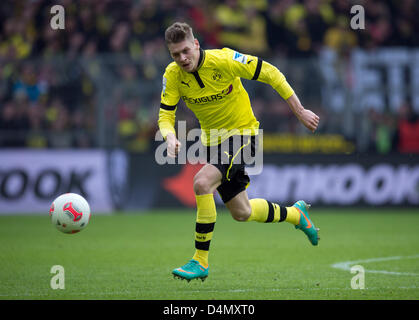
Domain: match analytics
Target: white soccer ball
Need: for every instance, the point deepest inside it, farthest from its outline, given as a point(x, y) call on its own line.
point(70, 213)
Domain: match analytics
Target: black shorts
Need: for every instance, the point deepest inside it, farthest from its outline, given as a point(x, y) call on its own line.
point(230, 157)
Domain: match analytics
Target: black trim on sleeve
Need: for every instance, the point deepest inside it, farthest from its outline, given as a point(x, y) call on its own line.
point(258, 68)
point(166, 107)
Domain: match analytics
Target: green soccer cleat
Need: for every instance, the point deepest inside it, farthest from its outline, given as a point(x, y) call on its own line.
point(191, 270)
point(305, 224)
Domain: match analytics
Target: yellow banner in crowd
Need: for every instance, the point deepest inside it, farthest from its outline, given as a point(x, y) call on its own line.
point(291, 143)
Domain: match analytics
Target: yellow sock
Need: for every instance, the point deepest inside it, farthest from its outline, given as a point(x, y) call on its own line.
point(260, 210)
point(266, 211)
point(202, 257)
point(293, 215)
point(206, 216)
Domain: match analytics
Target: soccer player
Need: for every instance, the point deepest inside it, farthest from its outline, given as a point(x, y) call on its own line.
point(209, 83)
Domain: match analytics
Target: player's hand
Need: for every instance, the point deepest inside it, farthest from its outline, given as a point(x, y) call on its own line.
point(173, 145)
point(309, 119)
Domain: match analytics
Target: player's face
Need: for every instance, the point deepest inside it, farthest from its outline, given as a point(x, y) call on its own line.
point(185, 54)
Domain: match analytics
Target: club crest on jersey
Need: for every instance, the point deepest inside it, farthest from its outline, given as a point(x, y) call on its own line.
point(239, 57)
point(216, 75)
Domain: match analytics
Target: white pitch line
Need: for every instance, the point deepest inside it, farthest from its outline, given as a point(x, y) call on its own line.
point(346, 265)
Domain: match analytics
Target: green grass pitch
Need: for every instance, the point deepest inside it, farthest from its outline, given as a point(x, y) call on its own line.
point(130, 256)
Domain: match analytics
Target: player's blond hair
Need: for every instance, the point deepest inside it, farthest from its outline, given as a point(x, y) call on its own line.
point(178, 32)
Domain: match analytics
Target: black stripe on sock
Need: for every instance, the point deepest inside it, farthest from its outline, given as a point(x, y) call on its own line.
point(271, 212)
point(258, 68)
point(204, 227)
point(202, 245)
point(283, 214)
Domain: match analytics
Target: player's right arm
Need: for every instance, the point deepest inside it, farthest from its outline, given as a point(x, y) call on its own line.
point(167, 113)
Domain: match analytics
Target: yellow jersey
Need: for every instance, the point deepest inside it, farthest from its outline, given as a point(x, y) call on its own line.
point(215, 94)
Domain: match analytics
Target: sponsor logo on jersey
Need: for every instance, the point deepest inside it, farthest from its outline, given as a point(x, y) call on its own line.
point(210, 98)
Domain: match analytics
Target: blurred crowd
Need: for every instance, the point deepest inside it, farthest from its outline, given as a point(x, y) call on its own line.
point(48, 98)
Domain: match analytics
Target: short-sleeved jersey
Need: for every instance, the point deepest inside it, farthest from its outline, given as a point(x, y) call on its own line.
point(215, 94)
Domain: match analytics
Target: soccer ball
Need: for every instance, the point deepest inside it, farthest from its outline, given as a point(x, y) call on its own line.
point(70, 213)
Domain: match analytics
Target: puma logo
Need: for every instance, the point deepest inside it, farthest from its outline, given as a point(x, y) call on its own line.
point(186, 83)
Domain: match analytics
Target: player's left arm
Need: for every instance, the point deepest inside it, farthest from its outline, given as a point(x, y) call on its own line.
point(254, 68)
point(307, 117)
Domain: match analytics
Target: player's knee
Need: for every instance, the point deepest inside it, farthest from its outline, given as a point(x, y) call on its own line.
point(241, 214)
point(201, 185)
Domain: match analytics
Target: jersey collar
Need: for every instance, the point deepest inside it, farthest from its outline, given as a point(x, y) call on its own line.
point(201, 58)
